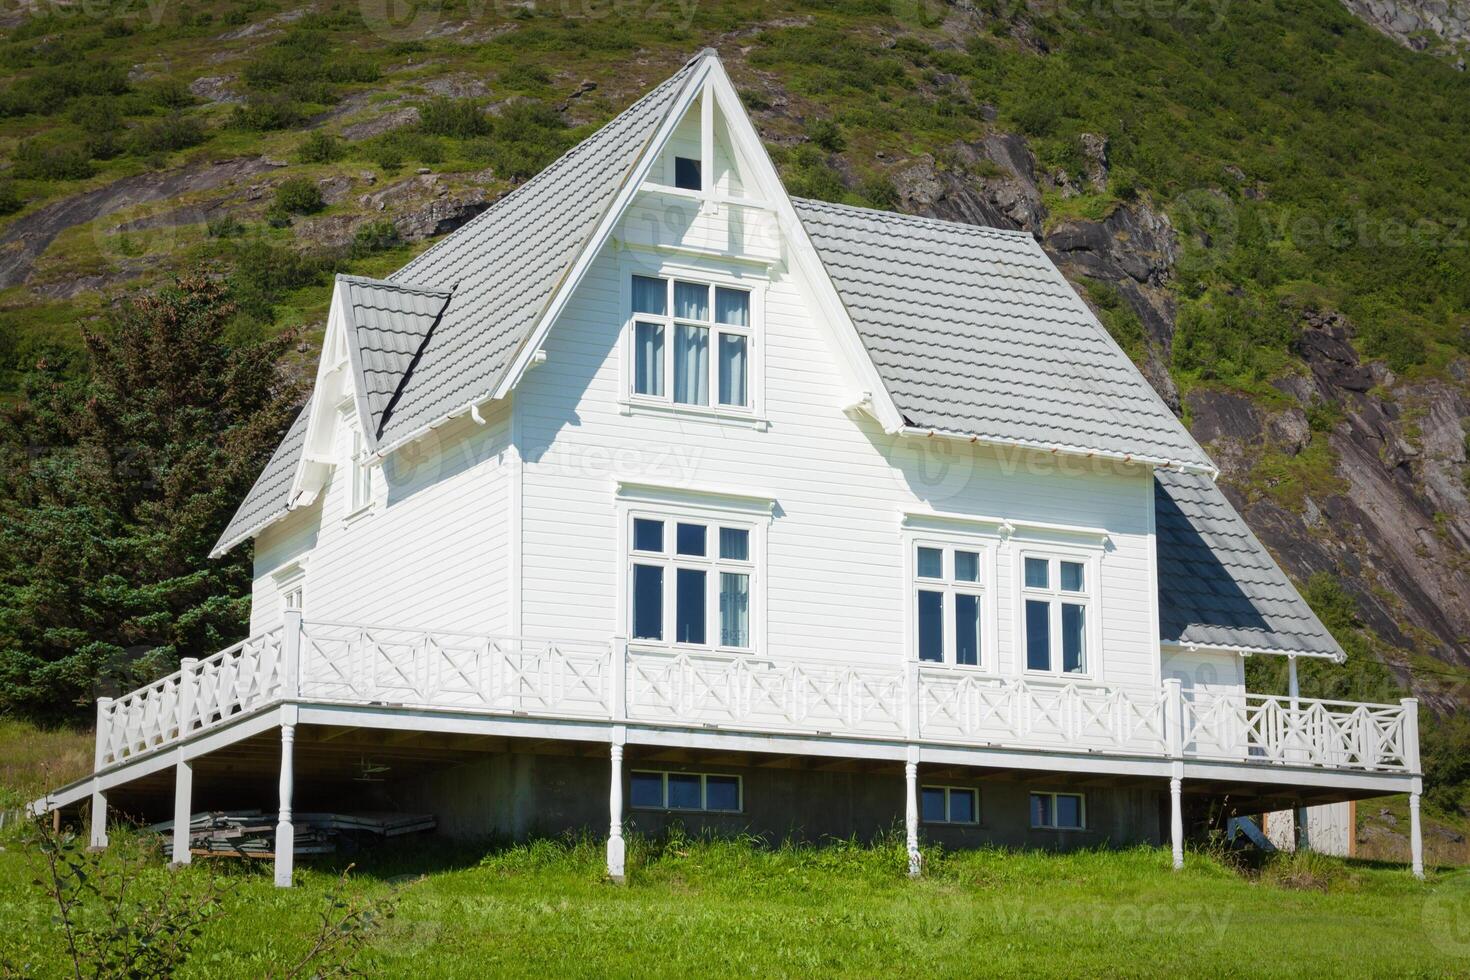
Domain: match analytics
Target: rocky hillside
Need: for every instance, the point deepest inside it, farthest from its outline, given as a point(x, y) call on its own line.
point(1266, 204)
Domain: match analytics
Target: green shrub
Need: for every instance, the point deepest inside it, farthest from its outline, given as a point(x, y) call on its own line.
point(55, 161)
point(828, 135)
point(223, 226)
point(525, 75)
point(319, 147)
point(266, 113)
point(459, 118)
point(375, 236)
point(10, 200)
point(174, 132)
point(170, 94)
point(527, 136)
point(299, 195)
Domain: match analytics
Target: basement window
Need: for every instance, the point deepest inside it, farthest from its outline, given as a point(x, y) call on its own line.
point(689, 791)
point(949, 804)
point(1058, 811)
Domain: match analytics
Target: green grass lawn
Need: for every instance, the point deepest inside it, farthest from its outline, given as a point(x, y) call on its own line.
point(727, 908)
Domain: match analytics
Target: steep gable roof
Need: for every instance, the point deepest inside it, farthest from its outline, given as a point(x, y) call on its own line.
point(388, 325)
point(1218, 585)
point(509, 260)
point(269, 497)
point(975, 332)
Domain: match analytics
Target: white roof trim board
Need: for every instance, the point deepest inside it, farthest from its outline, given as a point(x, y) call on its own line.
point(969, 332)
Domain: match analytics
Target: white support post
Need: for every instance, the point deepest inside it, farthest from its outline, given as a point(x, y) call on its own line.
point(104, 726)
point(911, 682)
point(618, 690)
point(1176, 814)
point(616, 847)
point(911, 813)
point(1293, 688)
point(183, 808)
point(291, 654)
point(1174, 717)
point(706, 145)
point(98, 839)
point(1411, 762)
point(285, 832)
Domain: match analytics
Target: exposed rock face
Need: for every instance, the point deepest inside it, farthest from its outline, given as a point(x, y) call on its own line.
point(989, 182)
point(1417, 23)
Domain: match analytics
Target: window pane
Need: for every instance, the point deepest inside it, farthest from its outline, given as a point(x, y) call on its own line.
point(734, 609)
point(1038, 573)
point(931, 626)
point(1074, 638)
point(966, 566)
point(647, 789)
point(722, 793)
point(648, 602)
point(967, 629)
point(1072, 579)
point(735, 543)
point(648, 359)
point(686, 174)
point(689, 539)
point(931, 563)
point(732, 369)
point(1069, 811)
point(691, 301)
point(962, 806)
point(689, 611)
point(648, 535)
point(932, 804)
point(691, 365)
point(732, 306)
point(1038, 635)
point(1040, 810)
point(683, 791)
point(650, 295)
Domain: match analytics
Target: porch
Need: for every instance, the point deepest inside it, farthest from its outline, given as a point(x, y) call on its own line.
point(442, 695)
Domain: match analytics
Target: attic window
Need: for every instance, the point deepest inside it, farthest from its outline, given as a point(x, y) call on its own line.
point(686, 174)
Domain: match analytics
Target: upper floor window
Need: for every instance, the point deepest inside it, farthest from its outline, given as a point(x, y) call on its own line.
point(1055, 593)
point(948, 603)
point(691, 582)
point(692, 342)
point(361, 476)
point(687, 174)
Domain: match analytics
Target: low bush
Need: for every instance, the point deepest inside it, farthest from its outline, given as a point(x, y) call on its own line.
point(373, 237)
point(459, 118)
point(299, 195)
point(173, 132)
point(53, 161)
point(319, 147)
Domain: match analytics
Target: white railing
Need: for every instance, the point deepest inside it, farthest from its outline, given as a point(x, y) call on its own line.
point(1264, 728)
point(354, 664)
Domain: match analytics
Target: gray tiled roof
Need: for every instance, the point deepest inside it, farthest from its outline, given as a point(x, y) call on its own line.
point(1218, 586)
point(504, 266)
point(976, 332)
point(390, 322)
point(268, 498)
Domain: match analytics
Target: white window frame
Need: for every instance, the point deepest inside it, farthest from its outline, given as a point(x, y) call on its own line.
point(359, 474)
point(710, 277)
point(710, 563)
point(704, 806)
point(951, 541)
point(1053, 794)
point(290, 581)
point(949, 791)
point(1055, 598)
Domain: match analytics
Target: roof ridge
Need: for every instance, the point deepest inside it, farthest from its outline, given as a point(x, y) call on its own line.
point(405, 287)
point(939, 223)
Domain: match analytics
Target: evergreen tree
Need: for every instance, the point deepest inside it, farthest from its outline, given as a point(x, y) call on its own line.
point(116, 484)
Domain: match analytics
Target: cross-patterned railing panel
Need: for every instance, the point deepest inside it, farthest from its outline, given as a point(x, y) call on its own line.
point(1302, 731)
point(968, 706)
point(763, 694)
point(384, 665)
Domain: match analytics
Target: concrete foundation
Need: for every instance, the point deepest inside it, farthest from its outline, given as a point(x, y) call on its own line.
point(518, 795)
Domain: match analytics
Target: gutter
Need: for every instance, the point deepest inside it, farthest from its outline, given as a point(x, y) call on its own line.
point(1063, 449)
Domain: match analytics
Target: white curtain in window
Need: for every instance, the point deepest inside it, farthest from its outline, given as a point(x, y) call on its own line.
point(732, 369)
point(691, 365)
point(649, 295)
point(734, 609)
point(732, 306)
point(691, 301)
point(649, 359)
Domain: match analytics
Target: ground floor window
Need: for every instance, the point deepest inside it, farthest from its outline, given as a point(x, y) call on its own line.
point(686, 791)
point(1058, 811)
point(949, 804)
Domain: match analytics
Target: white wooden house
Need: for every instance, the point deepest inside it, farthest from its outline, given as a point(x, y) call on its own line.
point(808, 518)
